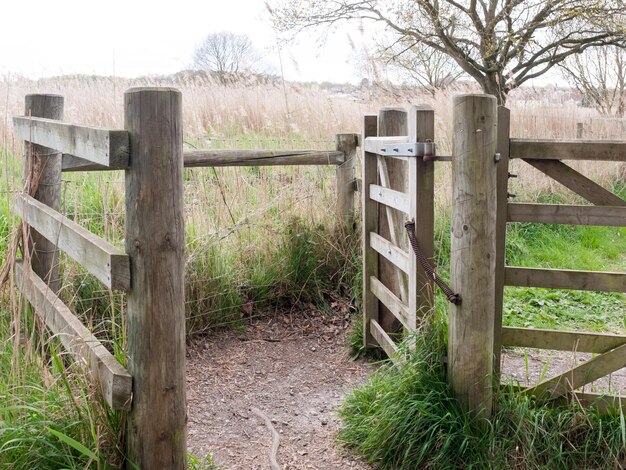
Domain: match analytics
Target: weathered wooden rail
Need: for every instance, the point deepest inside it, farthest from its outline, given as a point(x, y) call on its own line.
point(479, 274)
point(151, 268)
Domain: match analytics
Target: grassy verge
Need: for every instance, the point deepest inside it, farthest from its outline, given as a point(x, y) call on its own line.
point(406, 418)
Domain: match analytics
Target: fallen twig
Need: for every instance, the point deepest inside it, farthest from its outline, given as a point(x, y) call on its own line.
point(275, 437)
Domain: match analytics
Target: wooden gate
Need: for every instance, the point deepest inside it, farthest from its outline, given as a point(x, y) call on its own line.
point(608, 209)
point(397, 186)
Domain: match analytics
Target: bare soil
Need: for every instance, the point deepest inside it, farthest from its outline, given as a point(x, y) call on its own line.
point(296, 369)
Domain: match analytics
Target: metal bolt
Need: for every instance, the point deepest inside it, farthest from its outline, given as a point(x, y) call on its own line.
point(396, 150)
point(511, 175)
point(497, 157)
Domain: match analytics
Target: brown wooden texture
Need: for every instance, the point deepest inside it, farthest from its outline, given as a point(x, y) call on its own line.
point(114, 382)
point(565, 279)
point(392, 302)
point(110, 265)
point(421, 190)
point(578, 341)
point(100, 146)
point(473, 248)
point(345, 174)
point(385, 342)
point(390, 198)
point(43, 182)
point(392, 122)
point(587, 372)
point(155, 241)
point(369, 172)
point(608, 216)
point(215, 158)
point(577, 183)
point(502, 185)
point(551, 149)
point(396, 256)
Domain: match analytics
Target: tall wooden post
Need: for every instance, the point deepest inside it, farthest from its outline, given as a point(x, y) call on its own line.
point(473, 248)
point(502, 147)
point(421, 190)
point(155, 241)
point(43, 179)
point(392, 122)
point(369, 224)
point(346, 143)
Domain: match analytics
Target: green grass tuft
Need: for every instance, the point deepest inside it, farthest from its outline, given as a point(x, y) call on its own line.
point(407, 419)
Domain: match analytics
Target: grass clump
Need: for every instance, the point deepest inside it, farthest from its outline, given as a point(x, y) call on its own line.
point(407, 418)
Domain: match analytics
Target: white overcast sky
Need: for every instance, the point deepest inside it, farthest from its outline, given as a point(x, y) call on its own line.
point(129, 38)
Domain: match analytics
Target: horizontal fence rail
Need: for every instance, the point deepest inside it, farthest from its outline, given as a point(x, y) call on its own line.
point(227, 157)
point(109, 148)
point(567, 214)
point(551, 149)
point(108, 264)
point(113, 380)
point(574, 341)
point(565, 279)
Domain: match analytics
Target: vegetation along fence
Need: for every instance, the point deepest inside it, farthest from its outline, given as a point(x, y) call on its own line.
point(398, 165)
point(151, 269)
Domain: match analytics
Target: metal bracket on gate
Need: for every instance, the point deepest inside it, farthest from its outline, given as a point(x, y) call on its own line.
point(415, 149)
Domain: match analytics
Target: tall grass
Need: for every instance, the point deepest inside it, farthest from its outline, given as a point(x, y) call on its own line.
point(407, 418)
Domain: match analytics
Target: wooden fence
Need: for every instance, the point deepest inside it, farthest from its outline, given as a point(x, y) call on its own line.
point(479, 274)
point(151, 268)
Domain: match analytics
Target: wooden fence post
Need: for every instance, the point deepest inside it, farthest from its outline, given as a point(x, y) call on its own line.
point(346, 143)
point(369, 224)
point(473, 248)
point(155, 241)
point(421, 190)
point(502, 191)
point(392, 122)
point(43, 179)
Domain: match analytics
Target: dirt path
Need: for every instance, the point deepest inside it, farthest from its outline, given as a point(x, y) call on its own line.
point(296, 370)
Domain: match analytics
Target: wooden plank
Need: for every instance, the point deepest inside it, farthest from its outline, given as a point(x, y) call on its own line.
point(102, 146)
point(385, 342)
point(502, 190)
point(579, 184)
point(345, 173)
point(392, 253)
point(217, 158)
point(587, 372)
point(375, 144)
point(369, 225)
point(392, 122)
point(156, 431)
point(609, 216)
point(393, 303)
point(421, 191)
point(473, 248)
point(107, 263)
point(578, 341)
point(390, 198)
point(70, 163)
point(565, 279)
point(393, 225)
point(42, 180)
point(114, 381)
point(552, 149)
